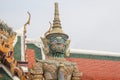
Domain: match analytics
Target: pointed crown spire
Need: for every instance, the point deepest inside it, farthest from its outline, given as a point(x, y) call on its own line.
point(56, 27)
point(56, 21)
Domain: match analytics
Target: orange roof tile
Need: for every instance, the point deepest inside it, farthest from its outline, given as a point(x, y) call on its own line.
point(30, 56)
point(98, 69)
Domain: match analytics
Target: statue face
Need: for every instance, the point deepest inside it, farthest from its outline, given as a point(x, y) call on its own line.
point(57, 46)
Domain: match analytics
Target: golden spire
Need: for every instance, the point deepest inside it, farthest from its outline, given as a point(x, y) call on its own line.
point(56, 27)
point(56, 21)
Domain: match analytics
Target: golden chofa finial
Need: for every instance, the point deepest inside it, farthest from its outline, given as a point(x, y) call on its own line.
point(28, 22)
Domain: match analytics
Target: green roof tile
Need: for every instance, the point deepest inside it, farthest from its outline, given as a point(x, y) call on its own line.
point(17, 49)
point(89, 56)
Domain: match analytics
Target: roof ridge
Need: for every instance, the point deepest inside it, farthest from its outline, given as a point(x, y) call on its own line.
point(95, 52)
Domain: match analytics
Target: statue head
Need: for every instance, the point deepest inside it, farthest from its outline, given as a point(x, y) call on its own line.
point(57, 44)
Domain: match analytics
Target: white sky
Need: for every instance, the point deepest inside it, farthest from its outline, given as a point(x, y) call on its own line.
point(91, 24)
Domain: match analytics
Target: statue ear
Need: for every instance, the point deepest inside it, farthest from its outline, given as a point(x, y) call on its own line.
point(67, 54)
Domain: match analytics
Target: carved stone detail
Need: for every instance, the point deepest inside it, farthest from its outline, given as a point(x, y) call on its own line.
point(57, 69)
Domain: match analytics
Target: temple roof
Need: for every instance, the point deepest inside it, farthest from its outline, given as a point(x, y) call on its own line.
point(94, 69)
point(29, 45)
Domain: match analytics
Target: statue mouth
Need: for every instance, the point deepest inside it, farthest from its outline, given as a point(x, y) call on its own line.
point(58, 50)
point(58, 54)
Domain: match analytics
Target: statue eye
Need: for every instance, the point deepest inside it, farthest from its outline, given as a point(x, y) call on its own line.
point(55, 41)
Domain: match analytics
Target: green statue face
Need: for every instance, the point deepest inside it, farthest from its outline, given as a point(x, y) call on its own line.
point(57, 46)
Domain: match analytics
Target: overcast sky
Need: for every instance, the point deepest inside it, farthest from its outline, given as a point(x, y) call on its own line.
point(91, 24)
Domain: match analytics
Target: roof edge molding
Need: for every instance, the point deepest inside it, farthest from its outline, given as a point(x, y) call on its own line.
point(94, 52)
